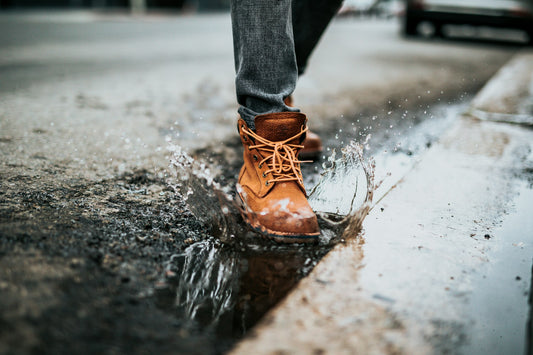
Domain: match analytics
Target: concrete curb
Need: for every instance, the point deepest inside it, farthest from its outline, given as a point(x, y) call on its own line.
point(508, 96)
point(425, 283)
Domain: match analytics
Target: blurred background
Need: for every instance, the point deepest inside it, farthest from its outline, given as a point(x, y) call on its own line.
point(350, 7)
point(136, 5)
point(428, 18)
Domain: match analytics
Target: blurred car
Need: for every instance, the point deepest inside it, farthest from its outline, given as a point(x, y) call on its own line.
point(516, 14)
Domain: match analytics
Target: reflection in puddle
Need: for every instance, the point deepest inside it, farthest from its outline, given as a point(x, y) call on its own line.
point(224, 290)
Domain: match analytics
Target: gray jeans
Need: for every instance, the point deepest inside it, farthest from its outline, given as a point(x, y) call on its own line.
point(272, 41)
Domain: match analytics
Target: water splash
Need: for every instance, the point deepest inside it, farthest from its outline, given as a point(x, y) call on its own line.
point(210, 202)
point(225, 290)
point(225, 284)
point(203, 282)
point(341, 198)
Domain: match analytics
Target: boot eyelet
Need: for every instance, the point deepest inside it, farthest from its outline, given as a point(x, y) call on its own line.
point(244, 138)
point(264, 175)
point(260, 166)
point(255, 158)
point(267, 183)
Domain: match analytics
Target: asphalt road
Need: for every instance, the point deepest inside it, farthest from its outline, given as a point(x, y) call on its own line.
point(88, 105)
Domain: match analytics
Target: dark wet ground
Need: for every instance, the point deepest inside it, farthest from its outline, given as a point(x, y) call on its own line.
point(102, 246)
point(122, 266)
point(95, 267)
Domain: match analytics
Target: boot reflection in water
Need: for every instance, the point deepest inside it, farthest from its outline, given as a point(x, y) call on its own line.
point(272, 43)
point(268, 278)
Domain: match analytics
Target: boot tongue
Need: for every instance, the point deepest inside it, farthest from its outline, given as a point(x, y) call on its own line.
point(280, 126)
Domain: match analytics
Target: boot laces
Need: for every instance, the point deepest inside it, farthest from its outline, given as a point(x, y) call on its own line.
point(281, 157)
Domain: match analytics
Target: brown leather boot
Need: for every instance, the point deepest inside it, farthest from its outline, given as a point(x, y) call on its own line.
point(312, 143)
point(271, 185)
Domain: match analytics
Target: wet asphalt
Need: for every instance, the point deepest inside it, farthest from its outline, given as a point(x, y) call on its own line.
point(96, 244)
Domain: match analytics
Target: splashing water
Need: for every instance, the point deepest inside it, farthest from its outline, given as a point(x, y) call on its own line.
point(210, 202)
point(226, 290)
point(204, 282)
point(226, 283)
point(343, 195)
point(341, 198)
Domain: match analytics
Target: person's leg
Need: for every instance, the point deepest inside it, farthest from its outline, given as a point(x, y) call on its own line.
point(310, 19)
point(265, 61)
point(270, 183)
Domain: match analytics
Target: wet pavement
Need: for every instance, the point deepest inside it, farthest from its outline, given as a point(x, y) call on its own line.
point(443, 264)
point(99, 250)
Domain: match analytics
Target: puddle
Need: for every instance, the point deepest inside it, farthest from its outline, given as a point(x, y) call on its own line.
point(223, 291)
point(224, 285)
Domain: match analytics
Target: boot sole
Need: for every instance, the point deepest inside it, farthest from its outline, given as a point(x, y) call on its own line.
point(283, 238)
